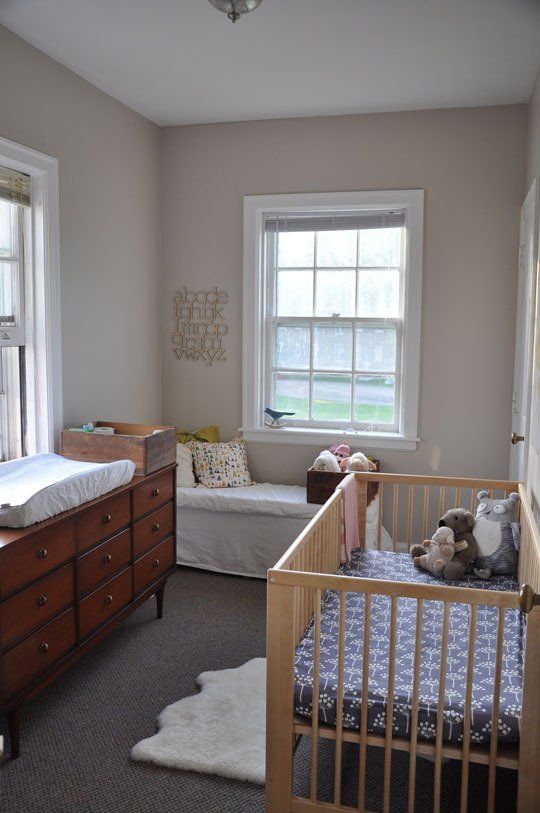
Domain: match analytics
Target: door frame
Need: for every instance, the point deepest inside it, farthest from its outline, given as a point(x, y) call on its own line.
point(526, 329)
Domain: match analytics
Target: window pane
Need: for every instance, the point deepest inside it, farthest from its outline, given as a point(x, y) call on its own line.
point(291, 393)
point(8, 293)
point(380, 247)
point(292, 347)
point(295, 293)
point(336, 248)
point(335, 293)
point(6, 229)
point(11, 427)
point(374, 399)
point(295, 249)
point(378, 293)
point(331, 397)
point(333, 347)
point(376, 348)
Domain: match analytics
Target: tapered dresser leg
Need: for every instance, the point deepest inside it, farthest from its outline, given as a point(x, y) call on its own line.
point(159, 601)
point(13, 718)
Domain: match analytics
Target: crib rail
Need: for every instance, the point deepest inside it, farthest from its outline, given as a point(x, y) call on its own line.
point(410, 505)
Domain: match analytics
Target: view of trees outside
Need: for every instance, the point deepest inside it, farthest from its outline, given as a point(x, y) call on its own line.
point(347, 366)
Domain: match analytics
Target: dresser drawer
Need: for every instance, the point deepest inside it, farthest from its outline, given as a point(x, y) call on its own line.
point(23, 562)
point(148, 531)
point(102, 521)
point(157, 562)
point(153, 493)
point(104, 561)
point(36, 654)
point(36, 605)
point(101, 605)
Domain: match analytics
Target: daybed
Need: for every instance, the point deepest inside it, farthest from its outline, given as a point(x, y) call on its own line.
point(239, 530)
point(245, 530)
point(447, 664)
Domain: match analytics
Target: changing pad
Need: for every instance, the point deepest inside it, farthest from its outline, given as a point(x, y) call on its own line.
point(260, 498)
point(40, 486)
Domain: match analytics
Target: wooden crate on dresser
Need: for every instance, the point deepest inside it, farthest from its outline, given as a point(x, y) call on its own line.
point(150, 446)
point(65, 583)
point(322, 484)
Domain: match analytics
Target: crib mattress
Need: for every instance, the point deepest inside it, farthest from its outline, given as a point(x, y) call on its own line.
point(399, 567)
point(40, 486)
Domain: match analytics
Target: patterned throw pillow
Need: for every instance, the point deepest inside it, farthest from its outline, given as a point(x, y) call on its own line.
point(221, 465)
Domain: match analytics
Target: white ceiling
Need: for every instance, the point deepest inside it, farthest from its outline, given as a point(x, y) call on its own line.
point(183, 62)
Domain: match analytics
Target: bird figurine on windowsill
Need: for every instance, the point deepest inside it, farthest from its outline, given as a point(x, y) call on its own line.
point(273, 418)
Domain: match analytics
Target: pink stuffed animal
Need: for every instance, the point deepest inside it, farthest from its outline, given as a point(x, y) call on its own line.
point(342, 452)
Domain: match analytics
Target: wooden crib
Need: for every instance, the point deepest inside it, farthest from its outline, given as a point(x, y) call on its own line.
point(409, 507)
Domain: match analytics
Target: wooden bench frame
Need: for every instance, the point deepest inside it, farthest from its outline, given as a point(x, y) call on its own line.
point(295, 588)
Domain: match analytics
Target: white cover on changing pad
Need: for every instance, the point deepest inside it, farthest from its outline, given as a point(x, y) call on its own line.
point(40, 486)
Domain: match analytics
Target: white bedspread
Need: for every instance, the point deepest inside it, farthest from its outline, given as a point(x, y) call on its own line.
point(260, 498)
point(40, 486)
point(245, 530)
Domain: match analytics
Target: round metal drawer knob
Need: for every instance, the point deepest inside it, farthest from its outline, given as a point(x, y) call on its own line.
point(155, 526)
point(107, 518)
point(43, 647)
point(42, 600)
point(107, 558)
point(42, 553)
point(155, 563)
point(108, 598)
point(155, 492)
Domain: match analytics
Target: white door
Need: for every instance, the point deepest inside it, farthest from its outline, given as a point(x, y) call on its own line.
point(525, 324)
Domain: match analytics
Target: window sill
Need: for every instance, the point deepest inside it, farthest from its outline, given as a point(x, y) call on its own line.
point(297, 436)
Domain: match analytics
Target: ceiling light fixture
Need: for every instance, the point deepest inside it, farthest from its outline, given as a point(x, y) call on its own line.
point(235, 8)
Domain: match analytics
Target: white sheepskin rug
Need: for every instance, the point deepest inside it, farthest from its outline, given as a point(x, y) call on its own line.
point(221, 730)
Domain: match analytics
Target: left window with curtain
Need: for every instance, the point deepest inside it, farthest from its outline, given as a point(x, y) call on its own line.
point(15, 206)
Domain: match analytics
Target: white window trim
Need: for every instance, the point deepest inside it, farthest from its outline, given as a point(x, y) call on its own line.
point(254, 307)
point(43, 306)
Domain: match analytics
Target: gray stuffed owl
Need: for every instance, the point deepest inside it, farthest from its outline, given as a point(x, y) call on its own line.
point(497, 535)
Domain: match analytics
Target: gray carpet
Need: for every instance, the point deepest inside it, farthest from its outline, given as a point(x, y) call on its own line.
point(77, 734)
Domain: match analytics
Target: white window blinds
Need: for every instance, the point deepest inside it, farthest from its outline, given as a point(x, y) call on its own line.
point(343, 221)
point(14, 187)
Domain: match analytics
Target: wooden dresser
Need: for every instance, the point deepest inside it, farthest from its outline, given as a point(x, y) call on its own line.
point(67, 582)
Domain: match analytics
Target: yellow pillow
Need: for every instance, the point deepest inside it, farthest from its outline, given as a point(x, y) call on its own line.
point(208, 434)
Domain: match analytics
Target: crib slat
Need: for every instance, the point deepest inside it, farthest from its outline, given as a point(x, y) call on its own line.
point(467, 715)
point(440, 712)
point(474, 492)
point(379, 523)
point(390, 706)
point(364, 706)
point(414, 712)
point(339, 700)
point(410, 510)
point(395, 516)
point(458, 496)
point(494, 738)
point(426, 511)
point(315, 695)
point(442, 496)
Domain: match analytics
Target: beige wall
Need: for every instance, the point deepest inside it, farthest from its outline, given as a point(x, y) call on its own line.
point(110, 231)
point(533, 135)
point(471, 163)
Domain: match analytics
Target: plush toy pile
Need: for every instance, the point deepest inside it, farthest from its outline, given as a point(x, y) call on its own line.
point(338, 458)
point(485, 545)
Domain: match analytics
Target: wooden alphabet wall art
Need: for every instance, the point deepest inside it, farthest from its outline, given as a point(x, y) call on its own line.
point(200, 325)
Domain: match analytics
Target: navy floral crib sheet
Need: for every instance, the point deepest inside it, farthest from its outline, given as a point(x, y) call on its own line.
point(399, 567)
